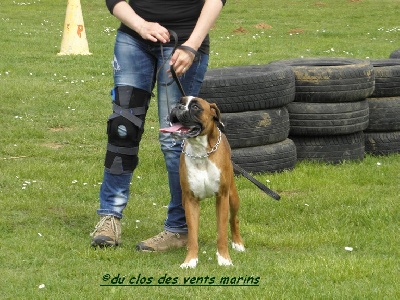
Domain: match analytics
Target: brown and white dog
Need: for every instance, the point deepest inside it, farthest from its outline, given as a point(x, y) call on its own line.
point(205, 170)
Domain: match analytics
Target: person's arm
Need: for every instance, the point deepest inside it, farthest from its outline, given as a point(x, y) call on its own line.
point(183, 59)
point(147, 30)
point(208, 16)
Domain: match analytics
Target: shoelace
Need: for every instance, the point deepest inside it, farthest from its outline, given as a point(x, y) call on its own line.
point(161, 235)
point(102, 222)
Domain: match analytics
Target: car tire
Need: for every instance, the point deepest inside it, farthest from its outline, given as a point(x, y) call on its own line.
point(327, 118)
point(328, 80)
point(387, 77)
point(332, 149)
point(384, 114)
point(382, 143)
point(271, 158)
point(244, 88)
point(256, 128)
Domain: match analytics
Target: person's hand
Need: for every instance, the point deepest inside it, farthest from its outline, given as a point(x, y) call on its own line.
point(153, 32)
point(182, 59)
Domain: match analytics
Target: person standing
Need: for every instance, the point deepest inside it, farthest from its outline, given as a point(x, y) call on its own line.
point(143, 44)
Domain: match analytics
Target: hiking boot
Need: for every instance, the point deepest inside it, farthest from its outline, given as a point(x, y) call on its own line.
point(107, 232)
point(163, 241)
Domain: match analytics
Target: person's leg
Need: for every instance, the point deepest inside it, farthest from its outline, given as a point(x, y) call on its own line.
point(168, 97)
point(175, 228)
point(133, 81)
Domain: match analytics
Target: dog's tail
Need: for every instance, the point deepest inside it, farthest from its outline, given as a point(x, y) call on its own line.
point(261, 186)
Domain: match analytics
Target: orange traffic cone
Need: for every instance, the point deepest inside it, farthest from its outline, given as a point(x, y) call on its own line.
point(74, 36)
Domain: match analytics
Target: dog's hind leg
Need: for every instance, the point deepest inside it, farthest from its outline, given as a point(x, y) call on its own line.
point(237, 242)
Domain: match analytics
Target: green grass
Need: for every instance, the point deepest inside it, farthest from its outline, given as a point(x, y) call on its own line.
point(52, 137)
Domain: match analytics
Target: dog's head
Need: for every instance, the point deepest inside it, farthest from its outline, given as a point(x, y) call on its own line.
point(192, 117)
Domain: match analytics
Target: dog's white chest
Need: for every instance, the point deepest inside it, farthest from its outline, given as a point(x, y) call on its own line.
point(203, 174)
point(203, 177)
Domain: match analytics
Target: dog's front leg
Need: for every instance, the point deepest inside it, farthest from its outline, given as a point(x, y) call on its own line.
point(192, 213)
point(222, 227)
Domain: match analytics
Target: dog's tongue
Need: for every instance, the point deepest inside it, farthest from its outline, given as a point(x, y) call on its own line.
point(173, 128)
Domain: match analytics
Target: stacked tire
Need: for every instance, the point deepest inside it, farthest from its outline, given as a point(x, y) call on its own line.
point(330, 110)
point(252, 100)
point(395, 54)
point(382, 136)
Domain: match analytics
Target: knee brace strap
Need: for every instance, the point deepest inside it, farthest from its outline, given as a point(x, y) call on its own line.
point(122, 150)
point(130, 114)
point(125, 128)
point(124, 98)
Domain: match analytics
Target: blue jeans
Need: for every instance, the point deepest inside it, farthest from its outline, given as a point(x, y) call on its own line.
point(136, 64)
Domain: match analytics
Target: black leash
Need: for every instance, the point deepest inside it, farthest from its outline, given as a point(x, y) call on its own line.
point(172, 70)
point(260, 185)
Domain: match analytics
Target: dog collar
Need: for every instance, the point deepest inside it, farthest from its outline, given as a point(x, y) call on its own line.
point(213, 149)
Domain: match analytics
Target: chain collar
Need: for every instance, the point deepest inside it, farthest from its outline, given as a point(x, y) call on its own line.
point(213, 149)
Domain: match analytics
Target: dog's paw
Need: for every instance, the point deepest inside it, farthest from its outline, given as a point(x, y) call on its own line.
point(222, 261)
point(191, 264)
point(238, 247)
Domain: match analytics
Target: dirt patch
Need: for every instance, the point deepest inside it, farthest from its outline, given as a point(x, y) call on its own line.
point(240, 30)
point(263, 26)
point(296, 31)
point(57, 129)
point(266, 121)
point(55, 146)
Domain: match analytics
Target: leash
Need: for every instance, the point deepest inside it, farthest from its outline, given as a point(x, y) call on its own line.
point(261, 186)
point(172, 70)
point(238, 169)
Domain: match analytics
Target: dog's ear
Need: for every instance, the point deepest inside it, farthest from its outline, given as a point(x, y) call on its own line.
point(215, 112)
point(217, 116)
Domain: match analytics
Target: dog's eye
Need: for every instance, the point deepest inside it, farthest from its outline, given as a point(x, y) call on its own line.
point(195, 106)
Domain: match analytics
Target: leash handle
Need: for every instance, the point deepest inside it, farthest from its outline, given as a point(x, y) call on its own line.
point(261, 186)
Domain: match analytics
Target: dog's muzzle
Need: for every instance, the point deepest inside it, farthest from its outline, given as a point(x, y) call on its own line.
point(183, 125)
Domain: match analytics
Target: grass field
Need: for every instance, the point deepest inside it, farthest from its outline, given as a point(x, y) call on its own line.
point(52, 141)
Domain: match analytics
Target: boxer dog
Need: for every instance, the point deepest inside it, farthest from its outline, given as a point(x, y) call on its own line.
point(205, 170)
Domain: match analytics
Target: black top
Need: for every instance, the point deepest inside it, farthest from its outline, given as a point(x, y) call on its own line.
point(177, 15)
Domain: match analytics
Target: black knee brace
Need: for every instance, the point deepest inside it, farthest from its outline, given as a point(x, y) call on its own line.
point(125, 128)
